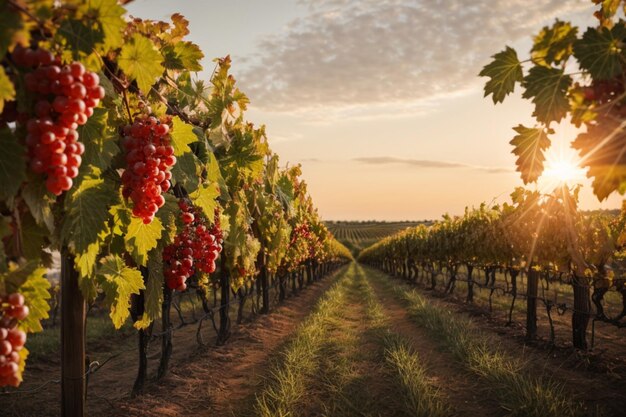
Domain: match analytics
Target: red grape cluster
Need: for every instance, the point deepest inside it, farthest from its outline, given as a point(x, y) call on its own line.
point(12, 309)
point(195, 248)
point(65, 97)
point(149, 158)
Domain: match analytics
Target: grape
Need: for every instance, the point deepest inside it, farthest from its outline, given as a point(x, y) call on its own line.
point(146, 175)
point(12, 310)
point(194, 249)
point(64, 99)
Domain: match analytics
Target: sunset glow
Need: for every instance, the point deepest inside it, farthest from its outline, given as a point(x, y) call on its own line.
point(562, 168)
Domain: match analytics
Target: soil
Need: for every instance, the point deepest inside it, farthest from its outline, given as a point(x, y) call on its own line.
point(352, 378)
point(209, 383)
point(598, 378)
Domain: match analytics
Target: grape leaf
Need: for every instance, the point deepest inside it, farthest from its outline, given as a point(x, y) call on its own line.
point(505, 70)
point(182, 135)
point(284, 190)
point(609, 8)
point(87, 214)
point(119, 282)
point(140, 61)
point(213, 172)
point(39, 201)
point(36, 292)
point(600, 51)
point(529, 145)
point(32, 238)
point(153, 296)
point(168, 215)
point(603, 149)
point(7, 91)
point(79, 36)
point(12, 164)
point(185, 171)
point(141, 238)
point(108, 15)
point(183, 56)
point(99, 140)
point(205, 198)
point(547, 87)
point(18, 275)
point(181, 28)
point(553, 45)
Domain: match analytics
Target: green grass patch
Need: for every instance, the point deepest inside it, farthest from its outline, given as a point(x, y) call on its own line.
point(518, 392)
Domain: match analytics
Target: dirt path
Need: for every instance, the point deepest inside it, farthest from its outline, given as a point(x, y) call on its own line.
point(217, 379)
point(209, 383)
point(352, 379)
point(460, 388)
point(600, 390)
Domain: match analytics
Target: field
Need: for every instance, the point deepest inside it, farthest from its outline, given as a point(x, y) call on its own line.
point(158, 257)
point(357, 343)
point(359, 235)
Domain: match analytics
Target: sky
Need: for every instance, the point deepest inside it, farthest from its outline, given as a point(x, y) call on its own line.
point(380, 100)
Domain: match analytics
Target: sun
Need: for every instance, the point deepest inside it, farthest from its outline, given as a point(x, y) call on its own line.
point(562, 167)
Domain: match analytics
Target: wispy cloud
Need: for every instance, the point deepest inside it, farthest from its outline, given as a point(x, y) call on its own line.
point(350, 53)
point(425, 163)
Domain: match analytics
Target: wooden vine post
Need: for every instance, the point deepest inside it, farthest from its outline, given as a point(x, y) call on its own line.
point(73, 315)
point(531, 303)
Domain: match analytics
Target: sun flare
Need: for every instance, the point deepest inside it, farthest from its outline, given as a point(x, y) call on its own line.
point(562, 168)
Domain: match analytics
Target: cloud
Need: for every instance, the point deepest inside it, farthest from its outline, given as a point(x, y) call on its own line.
point(351, 53)
point(424, 163)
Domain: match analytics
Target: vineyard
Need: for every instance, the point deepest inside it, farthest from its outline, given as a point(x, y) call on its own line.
point(158, 258)
point(359, 235)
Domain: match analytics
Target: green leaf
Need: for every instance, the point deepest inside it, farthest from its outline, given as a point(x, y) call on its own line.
point(185, 172)
point(547, 87)
point(17, 276)
point(182, 135)
point(12, 164)
point(284, 190)
point(36, 293)
point(87, 214)
point(214, 174)
point(7, 91)
point(183, 56)
point(140, 61)
point(79, 36)
point(119, 282)
point(603, 150)
point(168, 215)
point(553, 45)
point(33, 238)
point(141, 238)
point(39, 201)
point(205, 198)
point(109, 15)
point(153, 296)
point(505, 70)
point(529, 146)
point(600, 51)
point(579, 109)
point(99, 139)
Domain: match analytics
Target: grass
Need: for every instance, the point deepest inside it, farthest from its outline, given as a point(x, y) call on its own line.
point(287, 385)
point(345, 361)
point(518, 392)
point(420, 397)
